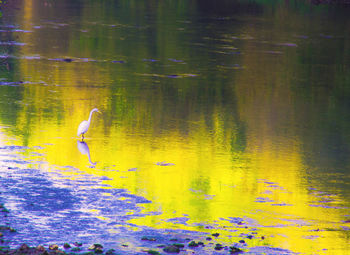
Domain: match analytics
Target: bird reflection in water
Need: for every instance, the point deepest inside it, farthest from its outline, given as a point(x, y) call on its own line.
point(84, 149)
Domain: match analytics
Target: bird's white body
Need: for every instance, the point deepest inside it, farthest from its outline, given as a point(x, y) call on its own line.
point(85, 124)
point(83, 127)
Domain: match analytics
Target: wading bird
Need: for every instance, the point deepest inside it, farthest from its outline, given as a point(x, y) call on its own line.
point(85, 124)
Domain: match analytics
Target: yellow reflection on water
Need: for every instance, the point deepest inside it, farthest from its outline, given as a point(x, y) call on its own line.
point(205, 184)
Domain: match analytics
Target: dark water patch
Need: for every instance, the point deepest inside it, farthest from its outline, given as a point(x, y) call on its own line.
point(53, 24)
point(68, 60)
point(287, 44)
point(180, 75)
point(242, 37)
point(173, 76)
point(118, 61)
point(150, 60)
point(176, 60)
point(232, 67)
point(327, 36)
point(273, 52)
point(302, 36)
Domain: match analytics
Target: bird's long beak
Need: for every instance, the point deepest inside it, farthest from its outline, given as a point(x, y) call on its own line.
point(99, 111)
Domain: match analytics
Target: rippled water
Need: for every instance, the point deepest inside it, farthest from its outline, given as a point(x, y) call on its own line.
point(229, 118)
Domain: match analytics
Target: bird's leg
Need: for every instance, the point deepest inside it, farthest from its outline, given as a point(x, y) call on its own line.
point(82, 135)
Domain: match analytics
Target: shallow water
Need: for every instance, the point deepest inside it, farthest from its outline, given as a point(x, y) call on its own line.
point(230, 118)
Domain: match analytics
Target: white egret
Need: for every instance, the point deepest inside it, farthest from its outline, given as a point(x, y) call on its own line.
point(85, 124)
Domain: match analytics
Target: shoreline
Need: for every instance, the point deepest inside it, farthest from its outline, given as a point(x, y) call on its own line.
point(173, 245)
point(144, 241)
point(175, 248)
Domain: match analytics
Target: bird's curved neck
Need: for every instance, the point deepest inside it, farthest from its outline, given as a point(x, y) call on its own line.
point(90, 116)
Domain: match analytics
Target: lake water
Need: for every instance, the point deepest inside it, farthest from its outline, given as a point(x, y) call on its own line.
point(228, 117)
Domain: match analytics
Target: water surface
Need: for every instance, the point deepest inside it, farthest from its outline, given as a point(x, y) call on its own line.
point(230, 118)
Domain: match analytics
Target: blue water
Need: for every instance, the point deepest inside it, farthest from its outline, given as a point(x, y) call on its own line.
point(45, 207)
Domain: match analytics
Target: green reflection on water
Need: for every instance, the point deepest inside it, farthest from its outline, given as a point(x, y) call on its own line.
point(248, 101)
